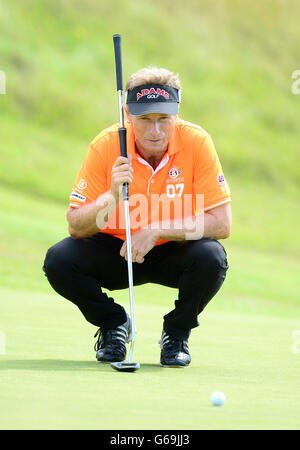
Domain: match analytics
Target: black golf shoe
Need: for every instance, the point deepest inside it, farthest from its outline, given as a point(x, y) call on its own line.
point(174, 351)
point(110, 345)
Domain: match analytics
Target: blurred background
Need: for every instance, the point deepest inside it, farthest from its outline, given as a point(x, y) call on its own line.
point(236, 60)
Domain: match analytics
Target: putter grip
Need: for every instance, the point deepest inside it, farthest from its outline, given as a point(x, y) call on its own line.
point(123, 148)
point(118, 59)
point(123, 143)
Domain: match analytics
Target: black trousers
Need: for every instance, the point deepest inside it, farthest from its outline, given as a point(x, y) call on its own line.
point(77, 269)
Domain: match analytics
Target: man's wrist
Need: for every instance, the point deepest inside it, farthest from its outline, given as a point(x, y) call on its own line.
point(171, 234)
point(154, 230)
point(115, 195)
point(173, 230)
point(161, 231)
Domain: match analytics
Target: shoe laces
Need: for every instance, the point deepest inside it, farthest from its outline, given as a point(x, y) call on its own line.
point(110, 339)
point(173, 345)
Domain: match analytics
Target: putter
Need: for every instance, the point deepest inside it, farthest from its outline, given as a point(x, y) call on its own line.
point(125, 366)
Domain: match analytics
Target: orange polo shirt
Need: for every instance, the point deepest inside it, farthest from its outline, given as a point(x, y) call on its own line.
point(188, 181)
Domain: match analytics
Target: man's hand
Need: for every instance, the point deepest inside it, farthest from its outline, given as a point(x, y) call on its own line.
point(141, 243)
point(121, 173)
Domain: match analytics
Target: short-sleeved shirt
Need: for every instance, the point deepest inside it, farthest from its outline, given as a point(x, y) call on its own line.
point(188, 181)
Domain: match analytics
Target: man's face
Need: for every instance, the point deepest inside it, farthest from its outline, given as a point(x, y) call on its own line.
point(152, 132)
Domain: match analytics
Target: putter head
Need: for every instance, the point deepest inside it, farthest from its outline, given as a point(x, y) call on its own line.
point(124, 366)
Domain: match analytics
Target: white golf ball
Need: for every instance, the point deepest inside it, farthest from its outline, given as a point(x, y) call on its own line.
point(217, 398)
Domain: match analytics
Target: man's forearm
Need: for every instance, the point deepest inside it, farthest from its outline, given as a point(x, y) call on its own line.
point(89, 219)
point(192, 228)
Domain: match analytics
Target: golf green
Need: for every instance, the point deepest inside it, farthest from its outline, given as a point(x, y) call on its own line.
point(51, 380)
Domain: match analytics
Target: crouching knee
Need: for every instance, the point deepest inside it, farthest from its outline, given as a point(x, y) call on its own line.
point(209, 254)
point(56, 262)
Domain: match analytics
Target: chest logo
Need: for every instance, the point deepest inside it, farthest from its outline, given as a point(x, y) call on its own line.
point(173, 173)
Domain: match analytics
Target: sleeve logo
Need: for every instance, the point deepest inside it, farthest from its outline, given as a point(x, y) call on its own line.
point(82, 184)
point(78, 197)
point(222, 182)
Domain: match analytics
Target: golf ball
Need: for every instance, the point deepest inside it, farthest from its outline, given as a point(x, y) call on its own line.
point(217, 398)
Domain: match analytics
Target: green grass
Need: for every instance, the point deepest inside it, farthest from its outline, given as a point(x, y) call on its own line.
point(50, 379)
point(235, 61)
point(31, 225)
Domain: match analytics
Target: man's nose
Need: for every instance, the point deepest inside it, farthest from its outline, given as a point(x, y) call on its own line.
point(155, 128)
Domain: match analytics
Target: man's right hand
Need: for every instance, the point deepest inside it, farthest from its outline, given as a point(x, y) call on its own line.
point(121, 173)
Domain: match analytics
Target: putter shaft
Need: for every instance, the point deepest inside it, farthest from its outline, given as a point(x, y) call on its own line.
point(130, 276)
point(123, 149)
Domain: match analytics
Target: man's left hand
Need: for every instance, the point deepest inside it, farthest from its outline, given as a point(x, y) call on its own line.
point(141, 243)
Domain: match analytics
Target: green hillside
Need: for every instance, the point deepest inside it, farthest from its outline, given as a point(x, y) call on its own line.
point(235, 61)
